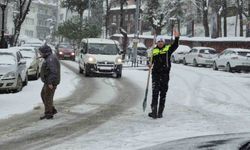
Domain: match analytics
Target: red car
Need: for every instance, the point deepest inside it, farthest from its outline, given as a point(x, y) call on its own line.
point(65, 51)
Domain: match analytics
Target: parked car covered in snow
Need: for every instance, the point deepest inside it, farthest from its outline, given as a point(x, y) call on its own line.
point(65, 51)
point(13, 72)
point(100, 56)
point(179, 53)
point(200, 56)
point(233, 59)
point(33, 61)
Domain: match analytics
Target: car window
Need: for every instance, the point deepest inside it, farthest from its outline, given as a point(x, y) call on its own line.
point(207, 51)
point(28, 53)
point(104, 49)
point(65, 46)
point(194, 51)
point(7, 59)
point(243, 53)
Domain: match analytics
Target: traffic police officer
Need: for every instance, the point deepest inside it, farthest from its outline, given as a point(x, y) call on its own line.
point(161, 66)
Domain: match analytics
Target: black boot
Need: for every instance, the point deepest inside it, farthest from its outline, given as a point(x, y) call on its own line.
point(54, 111)
point(153, 114)
point(160, 111)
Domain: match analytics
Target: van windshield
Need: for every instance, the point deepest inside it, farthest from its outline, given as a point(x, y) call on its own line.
point(103, 49)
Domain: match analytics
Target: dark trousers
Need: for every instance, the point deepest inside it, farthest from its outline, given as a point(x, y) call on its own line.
point(47, 96)
point(159, 87)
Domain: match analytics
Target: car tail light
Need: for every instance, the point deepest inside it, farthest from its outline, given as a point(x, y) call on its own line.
point(199, 55)
point(72, 53)
point(234, 58)
point(60, 53)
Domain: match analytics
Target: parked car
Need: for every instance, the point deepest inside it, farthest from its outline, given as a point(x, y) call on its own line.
point(141, 50)
point(179, 53)
point(13, 72)
point(200, 56)
point(36, 45)
point(100, 56)
point(33, 61)
point(65, 51)
point(233, 59)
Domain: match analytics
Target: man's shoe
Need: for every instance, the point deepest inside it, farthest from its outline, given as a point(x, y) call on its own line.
point(152, 115)
point(46, 117)
point(54, 111)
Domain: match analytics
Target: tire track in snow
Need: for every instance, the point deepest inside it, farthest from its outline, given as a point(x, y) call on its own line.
point(75, 125)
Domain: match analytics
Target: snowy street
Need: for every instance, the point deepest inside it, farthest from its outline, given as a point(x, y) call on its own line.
point(106, 113)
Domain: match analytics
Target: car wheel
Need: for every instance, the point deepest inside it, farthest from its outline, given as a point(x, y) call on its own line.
point(228, 68)
point(25, 81)
point(195, 64)
point(19, 85)
point(37, 74)
point(184, 62)
point(215, 66)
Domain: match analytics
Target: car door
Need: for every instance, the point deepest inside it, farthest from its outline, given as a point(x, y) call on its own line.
point(223, 59)
point(188, 55)
point(192, 55)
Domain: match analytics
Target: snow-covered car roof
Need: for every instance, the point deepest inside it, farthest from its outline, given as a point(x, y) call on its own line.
point(183, 48)
point(203, 48)
point(10, 50)
point(140, 44)
point(100, 41)
point(238, 49)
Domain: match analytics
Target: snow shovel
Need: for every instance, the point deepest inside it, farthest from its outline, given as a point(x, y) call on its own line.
point(144, 104)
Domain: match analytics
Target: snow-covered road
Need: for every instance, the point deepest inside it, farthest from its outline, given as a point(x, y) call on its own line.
point(200, 102)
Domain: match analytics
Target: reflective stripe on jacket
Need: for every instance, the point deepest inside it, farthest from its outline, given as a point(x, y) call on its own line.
point(157, 51)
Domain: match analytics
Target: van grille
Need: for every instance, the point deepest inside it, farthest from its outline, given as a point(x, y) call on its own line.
point(105, 63)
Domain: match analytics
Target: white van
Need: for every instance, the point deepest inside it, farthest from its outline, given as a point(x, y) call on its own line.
point(98, 55)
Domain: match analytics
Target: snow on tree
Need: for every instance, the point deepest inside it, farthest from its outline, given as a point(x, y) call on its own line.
point(22, 9)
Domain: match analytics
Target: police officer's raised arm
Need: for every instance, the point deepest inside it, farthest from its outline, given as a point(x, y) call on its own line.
point(175, 45)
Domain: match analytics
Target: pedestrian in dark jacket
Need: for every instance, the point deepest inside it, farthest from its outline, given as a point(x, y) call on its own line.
point(161, 64)
point(50, 76)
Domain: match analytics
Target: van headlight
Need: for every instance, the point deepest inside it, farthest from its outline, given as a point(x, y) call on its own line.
point(9, 76)
point(118, 61)
point(91, 60)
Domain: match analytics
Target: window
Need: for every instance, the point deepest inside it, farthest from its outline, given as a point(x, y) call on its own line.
point(114, 18)
point(126, 17)
point(29, 33)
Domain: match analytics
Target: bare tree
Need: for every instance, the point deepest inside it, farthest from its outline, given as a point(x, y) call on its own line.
point(225, 17)
point(240, 14)
point(203, 6)
point(22, 9)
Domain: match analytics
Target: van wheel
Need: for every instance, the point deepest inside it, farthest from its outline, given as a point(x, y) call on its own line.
point(86, 71)
point(80, 70)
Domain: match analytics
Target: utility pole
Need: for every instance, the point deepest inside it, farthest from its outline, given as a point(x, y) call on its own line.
point(136, 36)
